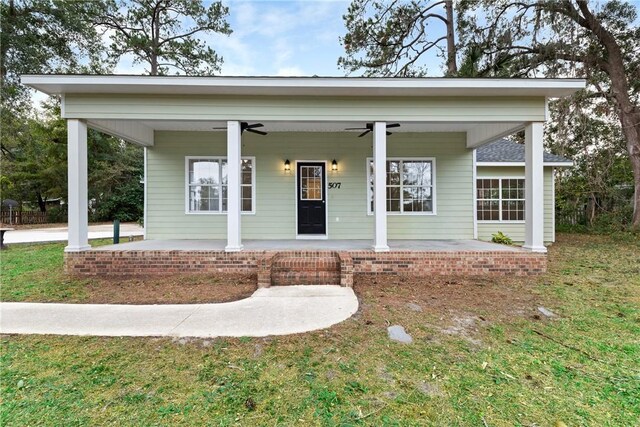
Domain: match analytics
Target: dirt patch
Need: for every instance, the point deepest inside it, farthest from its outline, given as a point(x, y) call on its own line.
point(172, 289)
point(477, 298)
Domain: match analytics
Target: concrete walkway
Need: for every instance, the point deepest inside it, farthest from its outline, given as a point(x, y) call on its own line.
point(270, 311)
point(59, 234)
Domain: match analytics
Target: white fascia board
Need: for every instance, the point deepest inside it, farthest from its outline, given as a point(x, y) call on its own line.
point(546, 164)
point(129, 130)
point(286, 86)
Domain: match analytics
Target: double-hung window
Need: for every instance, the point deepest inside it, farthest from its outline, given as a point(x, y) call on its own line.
point(500, 199)
point(410, 186)
point(207, 186)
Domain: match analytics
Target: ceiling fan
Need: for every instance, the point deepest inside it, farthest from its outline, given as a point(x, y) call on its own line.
point(369, 128)
point(248, 127)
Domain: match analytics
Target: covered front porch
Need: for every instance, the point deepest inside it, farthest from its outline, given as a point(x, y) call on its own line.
point(247, 213)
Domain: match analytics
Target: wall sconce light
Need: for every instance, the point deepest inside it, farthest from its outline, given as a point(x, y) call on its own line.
point(287, 166)
point(334, 166)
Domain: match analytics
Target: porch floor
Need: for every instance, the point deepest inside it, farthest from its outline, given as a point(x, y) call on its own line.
point(329, 245)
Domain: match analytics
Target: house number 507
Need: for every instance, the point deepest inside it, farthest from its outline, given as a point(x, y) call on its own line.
point(334, 185)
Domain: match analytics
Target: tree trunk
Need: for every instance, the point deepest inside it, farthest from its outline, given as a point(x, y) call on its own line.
point(42, 204)
point(628, 112)
point(631, 129)
point(452, 67)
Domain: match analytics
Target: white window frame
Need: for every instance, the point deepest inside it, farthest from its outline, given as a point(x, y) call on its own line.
point(434, 205)
point(500, 221)
point(187, 211)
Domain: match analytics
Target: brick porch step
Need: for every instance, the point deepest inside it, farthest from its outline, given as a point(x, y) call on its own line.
point(304, 268)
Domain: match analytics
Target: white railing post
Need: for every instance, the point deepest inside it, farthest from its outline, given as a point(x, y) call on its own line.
point(234, 161)
point(78, 196)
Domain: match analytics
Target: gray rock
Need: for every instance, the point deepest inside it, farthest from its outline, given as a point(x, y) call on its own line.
point(397, 333)
point(546, 312)
point(414, 307)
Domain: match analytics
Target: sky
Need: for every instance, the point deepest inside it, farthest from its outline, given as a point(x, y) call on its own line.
point(276, 38)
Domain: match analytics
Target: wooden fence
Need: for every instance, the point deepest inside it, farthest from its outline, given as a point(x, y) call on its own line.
point(23, 217)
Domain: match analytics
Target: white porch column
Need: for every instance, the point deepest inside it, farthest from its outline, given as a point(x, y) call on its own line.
point(78, 198)
point(234, 240)
point(534, 188)
point(380, 186)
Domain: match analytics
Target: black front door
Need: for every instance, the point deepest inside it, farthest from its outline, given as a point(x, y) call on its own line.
point(311, 198)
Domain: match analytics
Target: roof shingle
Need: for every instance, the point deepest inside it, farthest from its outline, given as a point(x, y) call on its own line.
point(504, 150)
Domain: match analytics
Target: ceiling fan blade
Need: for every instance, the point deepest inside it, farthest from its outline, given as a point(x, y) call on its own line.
point(393, 125)
point(364, 133)
point(356, 128)
point(220, 128)
point(255, 125)
point(259, 132)
point(389, 133)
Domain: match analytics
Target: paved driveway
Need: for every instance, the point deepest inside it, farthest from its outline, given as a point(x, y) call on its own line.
point(61, 234)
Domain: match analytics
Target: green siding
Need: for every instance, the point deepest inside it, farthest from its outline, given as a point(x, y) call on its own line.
point(166, 107)
point(516, 230)
point(275, 191)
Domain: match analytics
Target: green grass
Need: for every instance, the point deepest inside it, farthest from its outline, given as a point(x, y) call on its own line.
point(581, 369)
point(33, 272)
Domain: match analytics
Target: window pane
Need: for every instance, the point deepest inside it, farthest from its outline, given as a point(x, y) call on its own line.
point(311, 183)
point(513, 210)
point(246, 198)
point(393, 172)
point(488, 210)
point(246, 192)
point(488, 189)
point(225, 194)
point(203, 198)
point(203, 171)
point(224, 171)
point(416, 173)
point(393, 199)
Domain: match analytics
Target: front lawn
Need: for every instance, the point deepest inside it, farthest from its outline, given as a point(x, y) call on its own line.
point(483, 355)
point(34, 273)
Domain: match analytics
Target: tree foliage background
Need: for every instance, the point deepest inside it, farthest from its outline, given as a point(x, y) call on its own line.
point(61, 36)
point(600, 41)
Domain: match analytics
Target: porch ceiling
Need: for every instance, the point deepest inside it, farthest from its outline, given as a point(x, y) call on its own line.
point(142, 131)
point(306, 126)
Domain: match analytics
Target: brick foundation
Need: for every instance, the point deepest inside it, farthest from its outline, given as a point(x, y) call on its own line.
point(291, 266)
point(465, 263)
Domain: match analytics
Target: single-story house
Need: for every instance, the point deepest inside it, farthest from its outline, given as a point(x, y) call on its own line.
point(381, 172)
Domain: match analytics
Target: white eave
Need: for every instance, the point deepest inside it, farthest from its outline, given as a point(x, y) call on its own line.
point(301, 86)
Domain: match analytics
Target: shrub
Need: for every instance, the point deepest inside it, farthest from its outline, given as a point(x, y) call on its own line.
point(501, 238)
point(57, 214)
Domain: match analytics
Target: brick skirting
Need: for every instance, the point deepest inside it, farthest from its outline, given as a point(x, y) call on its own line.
point(419, 263)
point(466, 263)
